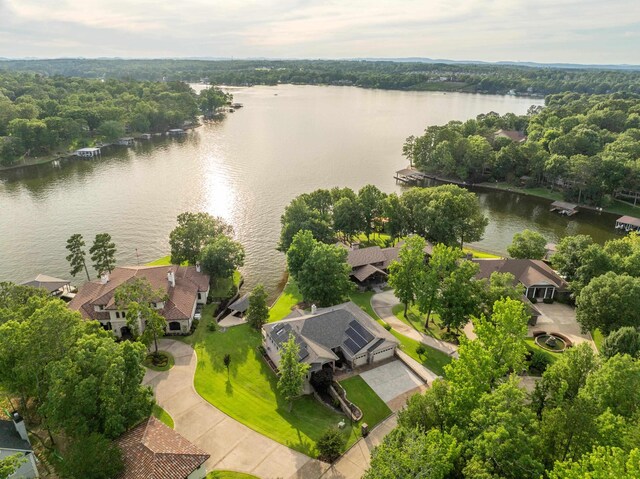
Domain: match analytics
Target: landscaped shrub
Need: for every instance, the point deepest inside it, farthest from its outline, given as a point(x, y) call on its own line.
point(330, 445)
point(420, 350)
point(548, 300)
point(212, 325)
point(538, 362)
point(321, 380)
point(387, 326)
point(533, 300)
point(194, 325)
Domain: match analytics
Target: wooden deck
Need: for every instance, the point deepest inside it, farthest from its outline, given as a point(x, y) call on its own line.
point(564, 208)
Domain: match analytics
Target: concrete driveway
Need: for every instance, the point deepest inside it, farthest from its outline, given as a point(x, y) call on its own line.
point(560, 318)
point(232, 445)
point(391, 380)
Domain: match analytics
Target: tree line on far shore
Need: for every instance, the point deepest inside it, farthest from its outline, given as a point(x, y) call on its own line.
point(587, 146)
point(40, 115)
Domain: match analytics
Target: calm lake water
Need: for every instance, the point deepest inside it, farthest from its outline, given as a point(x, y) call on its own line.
point(246, 168)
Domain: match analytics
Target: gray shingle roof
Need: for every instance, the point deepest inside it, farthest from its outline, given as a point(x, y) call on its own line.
point(10, 439)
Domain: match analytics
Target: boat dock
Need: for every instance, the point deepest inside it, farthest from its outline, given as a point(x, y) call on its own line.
point(410, 176)
point(628, 223)
point(564, 208)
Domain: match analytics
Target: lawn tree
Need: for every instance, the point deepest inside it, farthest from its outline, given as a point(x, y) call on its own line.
point(459, 295)
point(324, 277)
point(601, 462)
point(93, 456)
point(193, 232)
point(527, 245)
point(226, 360)
point(348, 218)
point(103, 254)
point(298, 216)
point(292, 371)
point(429, 410)
point(568, 256)
point(413, 453)
point(371, 201)
point(594, 262)
point(258, 311)
point(137, 297)
point(500, 286)
point(76, 256)
point(221, 257)
point(330, 445)
point(625, 340)
point(394, 213)
point(609, 302)
point(10, 464)
point(301, 247)
point(443, 261)
point(405, 274)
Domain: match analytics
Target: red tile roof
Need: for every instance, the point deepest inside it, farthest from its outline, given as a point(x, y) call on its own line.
point(181, 300)
point(152, 450)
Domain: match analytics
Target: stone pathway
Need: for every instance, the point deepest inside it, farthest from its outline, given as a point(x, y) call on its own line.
point(232, 445)
point(383, 304)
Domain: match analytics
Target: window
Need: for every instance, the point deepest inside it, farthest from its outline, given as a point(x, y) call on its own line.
point(118, 314)
point(174, 326)
point(124, 314)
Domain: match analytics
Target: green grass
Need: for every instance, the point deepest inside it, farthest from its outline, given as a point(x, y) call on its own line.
point(433, 359)
point(532, 346)
point(163, 415)
point(229, 475)
point(598, 338)
point(376, 239)
point(288, 299)
point(416, 320)
point(363, 300)
point(480, 254)
point(164, 261)
point(222, 287)
point(360, 393)
point(249, 394)
point(148, 362)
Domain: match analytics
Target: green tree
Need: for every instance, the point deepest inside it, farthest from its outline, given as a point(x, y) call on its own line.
point(18, 302)
point(193, 233)
point(625, 340)
point(330, 445)
point(76, 257)
point(298, 216)
point(500, 286)
point(226, 360)
point(299, 251)
point(405, 274)
point(221, 257)
point(460, 295)
point(602, 462)
point(371, 201)
point(348, 218)
point(527, 245)
point(258, 311)
point(111, 130)
point(93, 456)
point(292, 371)
point(609, 302)
point(211, 99)
point(568, 256)
point(395, 215)
point(138, 298)
point(412, 453)
point(103, 254)
point(10, 464)
point(324, 277)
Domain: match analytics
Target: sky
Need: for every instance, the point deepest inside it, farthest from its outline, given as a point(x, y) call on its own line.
point(564, 31)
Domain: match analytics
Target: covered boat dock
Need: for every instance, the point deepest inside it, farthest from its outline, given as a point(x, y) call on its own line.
point(628, 223)
point(410, 176)
point(564, 208)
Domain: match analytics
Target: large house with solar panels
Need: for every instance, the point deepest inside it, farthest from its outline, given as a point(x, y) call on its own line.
point(339, 336)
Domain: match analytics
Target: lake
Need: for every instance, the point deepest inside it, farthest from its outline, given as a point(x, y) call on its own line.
point(246, 168)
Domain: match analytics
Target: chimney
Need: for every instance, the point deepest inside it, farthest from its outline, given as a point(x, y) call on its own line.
point(171, 277)
point(313, 309)
point(104, 279)
point(21, 428)
point(198, 266)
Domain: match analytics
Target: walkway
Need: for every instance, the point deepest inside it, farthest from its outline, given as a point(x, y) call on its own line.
point(383, 304)
point(232, 445)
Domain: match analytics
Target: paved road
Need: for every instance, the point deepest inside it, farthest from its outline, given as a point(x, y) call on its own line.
point(232, 445)
point(383, 304)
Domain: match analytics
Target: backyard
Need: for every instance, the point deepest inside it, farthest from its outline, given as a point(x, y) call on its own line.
point(416, 320)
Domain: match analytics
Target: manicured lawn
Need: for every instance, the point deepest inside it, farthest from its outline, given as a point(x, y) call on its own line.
point(363, 300)
point(532, 346)
point(229, 475)
point(222, 287)
point(288, 299)
point(360, 393)
point(163, 415)
point(433, 359)
point(416, 320)
point(250, 393)
point(148, 362)
point(375, 239)
point(598, 338)
point(164, 261)
point(480, 254)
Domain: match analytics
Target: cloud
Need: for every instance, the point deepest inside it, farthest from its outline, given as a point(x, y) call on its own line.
point(569, 31)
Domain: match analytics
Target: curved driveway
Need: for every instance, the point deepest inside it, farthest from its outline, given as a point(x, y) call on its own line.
point(232, 445)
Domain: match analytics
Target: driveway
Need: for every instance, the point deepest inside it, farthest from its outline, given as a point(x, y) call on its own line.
point(391, 380)
point(231, 444)
point(560, 318)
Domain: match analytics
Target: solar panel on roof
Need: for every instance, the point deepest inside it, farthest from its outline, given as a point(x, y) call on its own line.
point(351, 346)
point(361, 331)
point(359, 340)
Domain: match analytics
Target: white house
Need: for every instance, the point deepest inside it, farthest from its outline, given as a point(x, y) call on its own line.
point(15, 440)
point(183, 286)
point(341, 335)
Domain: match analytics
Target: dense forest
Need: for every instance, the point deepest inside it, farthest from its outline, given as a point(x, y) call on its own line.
point(40, 114)
point(585, 145)
point(397, 75)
